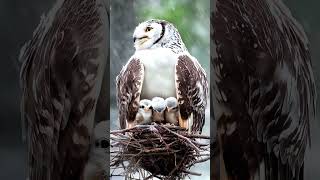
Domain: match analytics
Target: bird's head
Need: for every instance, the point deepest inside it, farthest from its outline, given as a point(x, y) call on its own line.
point(158, 104)
point(145, 106)
point(172, 104)
point(157, 33)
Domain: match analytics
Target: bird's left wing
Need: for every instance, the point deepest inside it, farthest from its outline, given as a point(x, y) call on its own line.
point(192, 90)
point(129, 85)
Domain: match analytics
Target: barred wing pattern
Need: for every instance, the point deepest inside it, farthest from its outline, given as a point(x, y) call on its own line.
point(192, 90)
point(264, 92)
point(129, 85)
point(61, 78)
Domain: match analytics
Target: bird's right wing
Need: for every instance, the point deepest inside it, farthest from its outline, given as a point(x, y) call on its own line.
point(192, 90)
point(129, 86)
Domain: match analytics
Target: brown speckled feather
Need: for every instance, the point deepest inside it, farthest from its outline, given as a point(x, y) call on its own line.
point(263, 89)
point(129, 85)
point(192, 91)
point(61, 77)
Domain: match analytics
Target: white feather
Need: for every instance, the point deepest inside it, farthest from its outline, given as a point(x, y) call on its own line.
point(159, 65)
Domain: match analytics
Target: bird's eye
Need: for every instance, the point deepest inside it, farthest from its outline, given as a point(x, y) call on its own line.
point(148, 29)
point(142, 106)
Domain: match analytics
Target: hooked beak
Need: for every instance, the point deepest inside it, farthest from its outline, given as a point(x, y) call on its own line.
point(140, 38)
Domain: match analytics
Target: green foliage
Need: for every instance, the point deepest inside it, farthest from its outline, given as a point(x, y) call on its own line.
point(191, 18)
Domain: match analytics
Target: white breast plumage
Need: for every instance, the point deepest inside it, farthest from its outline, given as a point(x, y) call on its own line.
point(159, 66)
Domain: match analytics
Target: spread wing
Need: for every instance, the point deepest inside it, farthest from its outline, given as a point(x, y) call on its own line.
point(192, 90)
point(61, 77)
point(263, 85)
point(129, 85)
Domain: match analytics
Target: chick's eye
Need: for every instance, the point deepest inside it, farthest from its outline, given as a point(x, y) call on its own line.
point(148, 29)
point(142, 106)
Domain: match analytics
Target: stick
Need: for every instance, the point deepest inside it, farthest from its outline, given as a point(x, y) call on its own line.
point(192, 173)
point(186, 139)
point(196, 136)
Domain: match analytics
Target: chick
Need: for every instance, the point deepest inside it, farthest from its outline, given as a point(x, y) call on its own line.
point(172, 111)
point(159, 106)
point(144, 115)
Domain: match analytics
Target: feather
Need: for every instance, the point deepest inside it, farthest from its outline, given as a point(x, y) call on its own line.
point(192, 90)
point(58, 98)
point(263, 81)
point(129, 85)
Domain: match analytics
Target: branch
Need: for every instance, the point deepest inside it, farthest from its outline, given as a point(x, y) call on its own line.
point(182, 137)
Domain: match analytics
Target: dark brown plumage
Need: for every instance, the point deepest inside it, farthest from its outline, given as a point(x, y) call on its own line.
point(192, 89)
point(263, 89)
point(61, 78)
point(129, 84)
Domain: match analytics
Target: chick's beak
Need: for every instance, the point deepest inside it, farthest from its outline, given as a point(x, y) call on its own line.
point(134, 39)
point(146, 109)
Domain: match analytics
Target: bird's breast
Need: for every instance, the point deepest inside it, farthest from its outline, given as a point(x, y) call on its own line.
point(159, 73)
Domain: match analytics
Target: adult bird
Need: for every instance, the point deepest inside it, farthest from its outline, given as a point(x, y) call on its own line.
point(162, 67)
point(61, 76)
point(263, 90)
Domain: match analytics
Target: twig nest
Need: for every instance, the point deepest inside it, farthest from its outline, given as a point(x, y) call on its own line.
point(164, 151)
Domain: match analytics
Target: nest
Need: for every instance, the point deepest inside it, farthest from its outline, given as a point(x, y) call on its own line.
point(161, 151)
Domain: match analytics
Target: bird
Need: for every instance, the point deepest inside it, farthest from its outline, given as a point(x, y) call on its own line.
point(158, 109)
point(144, 115)
point(162, 67)
point(172, 111)
point(61, 76)
point(264, 93)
